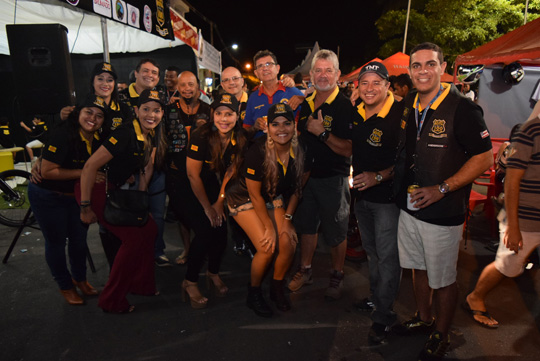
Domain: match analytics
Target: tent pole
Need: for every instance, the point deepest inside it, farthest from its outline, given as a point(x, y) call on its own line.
point(406, 27)
point(526, 9)
point(105, 38)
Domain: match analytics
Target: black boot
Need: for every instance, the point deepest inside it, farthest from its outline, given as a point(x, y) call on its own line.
point(277, 294)
point(256, 302)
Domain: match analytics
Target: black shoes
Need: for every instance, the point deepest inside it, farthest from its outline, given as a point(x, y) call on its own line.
point(435, 348)
point(256, 302)
point(378, 334)
point(414, 326)
point(364, 305)
point(277, 294)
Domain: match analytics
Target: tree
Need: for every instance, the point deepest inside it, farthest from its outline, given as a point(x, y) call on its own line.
point(457, 26)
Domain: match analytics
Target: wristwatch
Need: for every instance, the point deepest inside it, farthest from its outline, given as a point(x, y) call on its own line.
point(323, 137)
point(444, 188)
point(378, 177)
point(287, 216)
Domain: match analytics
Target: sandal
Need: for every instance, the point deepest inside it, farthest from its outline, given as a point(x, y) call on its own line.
point(197, 299)
point(217, 283)
point(465, 305)
point(182, 259)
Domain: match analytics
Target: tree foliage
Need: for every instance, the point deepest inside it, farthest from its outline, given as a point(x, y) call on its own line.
point(457, 26)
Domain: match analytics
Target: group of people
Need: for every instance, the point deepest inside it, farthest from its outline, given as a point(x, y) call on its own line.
point(278, 163)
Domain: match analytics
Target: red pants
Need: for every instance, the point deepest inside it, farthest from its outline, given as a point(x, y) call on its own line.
point(133, 267)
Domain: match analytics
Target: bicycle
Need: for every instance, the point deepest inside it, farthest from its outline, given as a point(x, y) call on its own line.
point(14, 202)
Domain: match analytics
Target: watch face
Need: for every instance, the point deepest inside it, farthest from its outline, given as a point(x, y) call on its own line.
point(444, 188)
point(378, 178)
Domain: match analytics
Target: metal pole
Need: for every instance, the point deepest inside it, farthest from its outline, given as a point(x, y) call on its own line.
point(406, 27)
point(105, 39)
point(526, 9)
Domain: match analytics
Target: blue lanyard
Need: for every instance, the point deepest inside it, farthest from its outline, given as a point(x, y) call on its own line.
point(420, 123)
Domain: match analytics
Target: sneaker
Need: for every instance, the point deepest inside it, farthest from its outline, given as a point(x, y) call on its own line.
point(333, 292)
point(364, 305)
point(378, 334)
point(435, 348)
point(414, 326)
point(162, 261)
point(304, 276)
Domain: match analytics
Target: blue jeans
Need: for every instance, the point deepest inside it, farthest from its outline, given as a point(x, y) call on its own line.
point(58, 216)
point(156, 189)
point(378, 224)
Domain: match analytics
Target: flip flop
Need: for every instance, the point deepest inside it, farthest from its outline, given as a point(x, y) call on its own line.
point(472, 313)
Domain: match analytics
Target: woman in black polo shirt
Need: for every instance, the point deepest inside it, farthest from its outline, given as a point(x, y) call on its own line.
point(128, 152)
point(53, 202)
point(215, 150)
point(263, 200)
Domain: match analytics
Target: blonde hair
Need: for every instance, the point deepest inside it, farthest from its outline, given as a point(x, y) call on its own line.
point(270, 166)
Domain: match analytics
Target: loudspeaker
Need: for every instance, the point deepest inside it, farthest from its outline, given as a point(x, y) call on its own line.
point(41, 67)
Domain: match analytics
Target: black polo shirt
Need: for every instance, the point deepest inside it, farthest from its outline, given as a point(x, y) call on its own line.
point(70, 151)
point(375, 142)
point(126, 144)
point(338, 114)
point(116, 114)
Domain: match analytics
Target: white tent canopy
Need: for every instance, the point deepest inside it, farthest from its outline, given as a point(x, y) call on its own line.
point(121, 38)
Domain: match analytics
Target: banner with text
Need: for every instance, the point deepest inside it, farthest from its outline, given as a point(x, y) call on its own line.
point(209, 57)
point(184, 31)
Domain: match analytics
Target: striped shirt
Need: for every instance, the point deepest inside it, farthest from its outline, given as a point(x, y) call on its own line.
point(526, 155)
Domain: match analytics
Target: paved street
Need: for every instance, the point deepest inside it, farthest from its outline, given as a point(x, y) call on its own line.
point(37, 324)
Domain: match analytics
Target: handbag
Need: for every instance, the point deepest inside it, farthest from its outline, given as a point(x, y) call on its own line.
point(126, 207)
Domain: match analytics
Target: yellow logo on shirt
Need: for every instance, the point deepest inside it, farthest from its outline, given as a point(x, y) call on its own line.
point(194, 148)
point(113, 140)
point(251, 171)
point(52, 149)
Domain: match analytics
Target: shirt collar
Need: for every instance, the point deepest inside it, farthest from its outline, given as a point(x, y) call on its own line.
point(87, 142)
point(384, 110)
point(436, 103)
point(329, 100)
point(132, 92)
point(280, 87)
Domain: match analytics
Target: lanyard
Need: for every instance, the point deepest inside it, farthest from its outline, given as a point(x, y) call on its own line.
point(420, 123)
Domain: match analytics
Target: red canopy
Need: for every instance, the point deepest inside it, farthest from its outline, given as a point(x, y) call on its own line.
point(397, 63)
point(353, 75)
point(521, 44)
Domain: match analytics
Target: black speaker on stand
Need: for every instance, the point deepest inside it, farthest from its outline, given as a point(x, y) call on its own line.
point(41, 67)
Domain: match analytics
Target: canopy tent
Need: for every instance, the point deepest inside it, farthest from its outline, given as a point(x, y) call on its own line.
point(353, 75)
point(84, 40)
point(521, 44)
point(305, 66)
point(397, 63)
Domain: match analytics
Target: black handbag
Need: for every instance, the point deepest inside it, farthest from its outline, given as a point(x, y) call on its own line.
point(126, 207)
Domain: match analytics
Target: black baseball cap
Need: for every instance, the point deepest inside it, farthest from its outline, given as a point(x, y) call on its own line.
point(374, 67)
point(104, 67)
point(226, 100)
point(94, 101)
point(151, 95)
point(280, 110)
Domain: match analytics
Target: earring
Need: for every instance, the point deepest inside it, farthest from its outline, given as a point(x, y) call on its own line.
point(270, 142)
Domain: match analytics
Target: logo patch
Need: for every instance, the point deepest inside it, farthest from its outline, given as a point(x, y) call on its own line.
point(226, 99)
point(52, 149)
point(194, 148)
point(403, 124)
point(375, 138)
point(251, 171)
point(113, 140)
point(327, 122)
point(438, 129)
point(484, 134)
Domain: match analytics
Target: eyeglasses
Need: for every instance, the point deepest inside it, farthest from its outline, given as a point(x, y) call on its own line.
point(265, 65)
point(319, 71)
point(234, 79)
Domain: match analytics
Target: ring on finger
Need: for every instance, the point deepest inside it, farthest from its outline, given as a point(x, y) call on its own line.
point(363, 184)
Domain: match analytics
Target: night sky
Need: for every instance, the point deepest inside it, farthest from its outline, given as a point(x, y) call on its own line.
point(288, 28)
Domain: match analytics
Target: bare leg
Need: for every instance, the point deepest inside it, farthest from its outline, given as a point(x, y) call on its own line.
point(423, 294)
point(445, 300)
point(308, 244)
point(338, 256)
point(286, 249)
point(489, 279)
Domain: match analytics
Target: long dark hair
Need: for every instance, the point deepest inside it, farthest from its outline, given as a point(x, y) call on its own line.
point(72, 123)
point(114, 95)
point(238, 135)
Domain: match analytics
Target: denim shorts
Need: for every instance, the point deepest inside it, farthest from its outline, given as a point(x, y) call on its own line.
point(276, 203)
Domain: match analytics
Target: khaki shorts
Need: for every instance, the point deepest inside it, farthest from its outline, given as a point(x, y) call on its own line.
point(276, 203)
point(508, 262)
point(429, 247)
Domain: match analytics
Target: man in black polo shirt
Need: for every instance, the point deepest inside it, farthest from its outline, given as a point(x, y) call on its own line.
point(375, 139)
point(324, 124)
point(447, 146)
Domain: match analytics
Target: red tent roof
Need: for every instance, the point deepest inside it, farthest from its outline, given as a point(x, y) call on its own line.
point(397, 63)
point(521, 44)
point(353, 75)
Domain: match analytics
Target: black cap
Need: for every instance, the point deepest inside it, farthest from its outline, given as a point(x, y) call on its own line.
point(104, 67)
point(374, 67)
point(226, 100)
point(148, 95)
point(280, 110)
point(94, 101)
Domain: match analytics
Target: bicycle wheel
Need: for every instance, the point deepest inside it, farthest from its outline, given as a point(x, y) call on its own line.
point(14, 201)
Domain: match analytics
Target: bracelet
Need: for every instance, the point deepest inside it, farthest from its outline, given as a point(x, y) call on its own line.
point(288, 216)
point(85, 203)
